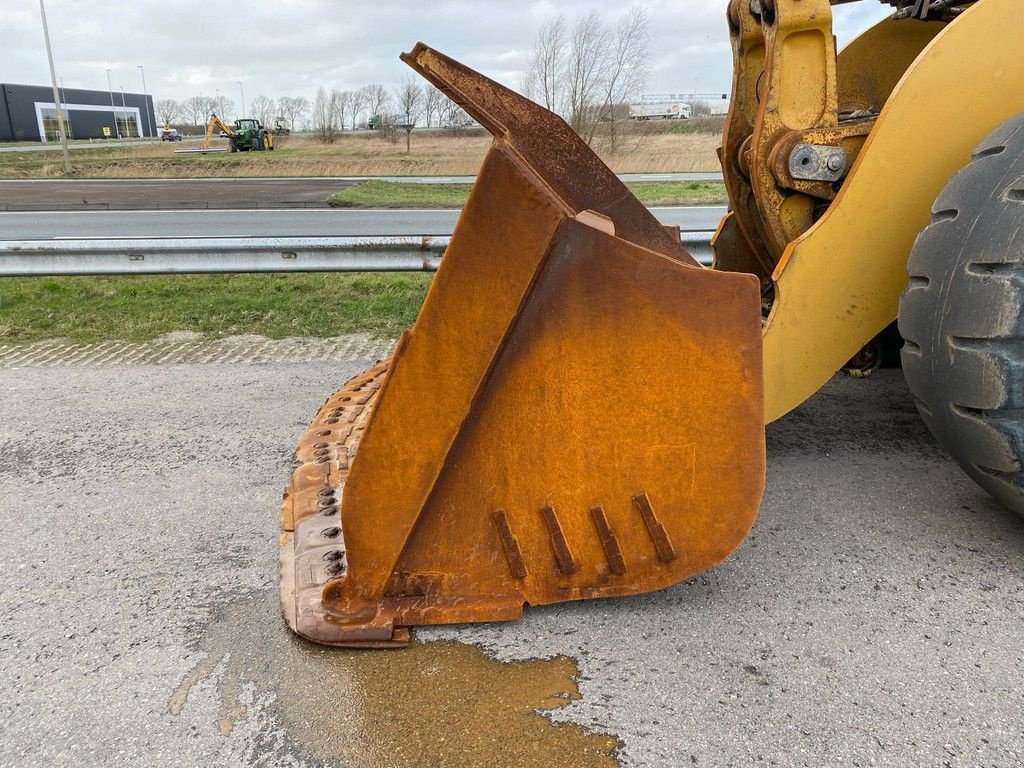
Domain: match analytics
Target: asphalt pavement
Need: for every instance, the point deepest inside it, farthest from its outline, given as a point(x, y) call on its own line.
point(271, 223)
point(217, 193)
point(872, 617)
point(166, 194)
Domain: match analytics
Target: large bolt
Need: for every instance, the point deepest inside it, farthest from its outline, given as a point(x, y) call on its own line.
point(836, 163)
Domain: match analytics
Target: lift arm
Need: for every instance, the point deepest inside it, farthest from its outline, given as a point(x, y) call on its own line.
point(216, 122)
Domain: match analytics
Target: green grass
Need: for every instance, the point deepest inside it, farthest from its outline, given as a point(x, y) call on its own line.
point(714, 124)
point(400, 194)
point(121, 162)
point(391, 194)
point(139, 308)
point(653, 193)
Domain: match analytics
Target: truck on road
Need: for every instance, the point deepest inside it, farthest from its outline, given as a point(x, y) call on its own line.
point(664, 110)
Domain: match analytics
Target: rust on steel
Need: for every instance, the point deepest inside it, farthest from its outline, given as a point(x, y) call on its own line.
point(563, 555)
point(609, 543)
point(510, 544)
point(559, 296)
point(659, 536)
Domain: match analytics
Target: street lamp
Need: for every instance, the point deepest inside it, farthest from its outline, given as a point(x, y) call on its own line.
point(64, 99)
point(124, 112)
point(145, 100)
point(113, 109)
point(56, 95)
point(242, 90)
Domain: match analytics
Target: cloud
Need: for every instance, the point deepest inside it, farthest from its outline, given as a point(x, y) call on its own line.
point(291, 47)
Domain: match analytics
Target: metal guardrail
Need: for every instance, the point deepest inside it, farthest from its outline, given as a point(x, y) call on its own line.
point(163, 256)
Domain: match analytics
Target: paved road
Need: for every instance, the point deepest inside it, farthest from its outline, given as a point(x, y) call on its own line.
point(238, 193)
point(167, 194)
point(33, 146)
point(271, 223)
point(872, 618)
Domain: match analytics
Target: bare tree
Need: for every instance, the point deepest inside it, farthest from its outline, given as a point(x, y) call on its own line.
point(376, 98)
point(223, 106)
point(292, 108)
point(284, 110)
point(626, 71)
point(167, 111)
point(197, 109)
point(388, 127)
point(452, 116)
point(209, 108)
point(263, 109)
point(699, 108)
point(432, 101)
point(342, 106)
point(359, 105)
point(325, 116)
point(587, 75)
point(409, 101)
point(545, 74)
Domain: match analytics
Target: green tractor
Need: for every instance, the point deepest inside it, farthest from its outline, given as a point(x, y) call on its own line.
point(248, 134)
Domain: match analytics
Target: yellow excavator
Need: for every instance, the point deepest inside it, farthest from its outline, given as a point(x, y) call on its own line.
point(579, 410)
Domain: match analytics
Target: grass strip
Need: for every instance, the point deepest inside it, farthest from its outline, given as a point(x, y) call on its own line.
point(659, 193)
point(139, 308)
point(399, 194)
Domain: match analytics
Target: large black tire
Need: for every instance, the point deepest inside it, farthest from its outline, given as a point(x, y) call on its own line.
point(962, 317)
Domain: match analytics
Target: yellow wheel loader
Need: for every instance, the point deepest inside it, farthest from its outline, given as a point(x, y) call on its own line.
point(579, 409)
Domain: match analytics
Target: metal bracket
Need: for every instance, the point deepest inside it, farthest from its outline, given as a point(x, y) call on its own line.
point(817, 162)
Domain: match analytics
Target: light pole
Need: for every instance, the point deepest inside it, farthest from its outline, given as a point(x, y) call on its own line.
point(124, 111)
point(56, 94)
point(242, 91)
point(145, 100)
point(113, 109)
point(64, 100)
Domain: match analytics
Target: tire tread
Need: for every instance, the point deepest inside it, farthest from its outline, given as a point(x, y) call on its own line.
point(962, 316)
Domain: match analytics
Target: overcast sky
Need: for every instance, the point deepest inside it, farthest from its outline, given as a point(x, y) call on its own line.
point(291, 47)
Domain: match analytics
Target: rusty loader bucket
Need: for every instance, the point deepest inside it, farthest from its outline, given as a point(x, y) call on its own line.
point(576, 413)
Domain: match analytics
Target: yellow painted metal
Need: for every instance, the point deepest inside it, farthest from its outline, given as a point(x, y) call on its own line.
point(746, 230)
point(872, 65)
point(800, 70)
point(839, 284)
point(214, 124)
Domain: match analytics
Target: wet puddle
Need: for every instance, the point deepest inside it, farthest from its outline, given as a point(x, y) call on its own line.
point(434, 704)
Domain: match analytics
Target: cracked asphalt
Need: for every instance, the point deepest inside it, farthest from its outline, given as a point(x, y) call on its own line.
point(872, 618)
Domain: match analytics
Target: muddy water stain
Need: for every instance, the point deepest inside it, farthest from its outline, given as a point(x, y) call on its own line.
point(433, 704)
point(442, 704)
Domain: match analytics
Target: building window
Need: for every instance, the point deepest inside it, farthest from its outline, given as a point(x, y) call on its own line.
point(127, 126)
point(52, 129)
